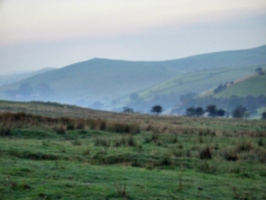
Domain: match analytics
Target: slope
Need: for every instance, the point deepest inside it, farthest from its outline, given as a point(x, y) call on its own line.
point(15, 77)
point(104, 80)
point(253, 85)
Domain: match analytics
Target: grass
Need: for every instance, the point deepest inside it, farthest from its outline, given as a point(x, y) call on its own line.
point(167, 158)
point(205, 80)
point(252, 86)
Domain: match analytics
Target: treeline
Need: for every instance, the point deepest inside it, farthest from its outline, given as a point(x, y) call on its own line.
point(251, 103)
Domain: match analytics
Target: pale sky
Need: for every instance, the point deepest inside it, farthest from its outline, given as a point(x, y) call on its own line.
point(54, 33)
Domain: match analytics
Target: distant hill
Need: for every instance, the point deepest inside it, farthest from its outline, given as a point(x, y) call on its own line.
point(248, 91)
point(100, 83)
point(254, 85)
point(168, 93)
point(15, 77)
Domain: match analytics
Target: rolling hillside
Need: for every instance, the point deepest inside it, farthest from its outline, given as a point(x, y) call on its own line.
point(12, 78)
point(254, 85)
point(98, 82)
point(200, 83)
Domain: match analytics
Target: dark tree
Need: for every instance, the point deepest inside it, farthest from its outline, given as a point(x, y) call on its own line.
point(157, 109)
point(220, 113)
point(263, 115)
point(128, 110)
point(211, 109)
point(190, 111)
point(199, 111)
point(239, 112)
point(259, 71)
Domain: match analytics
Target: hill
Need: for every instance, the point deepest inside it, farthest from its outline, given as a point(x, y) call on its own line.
point(248, 91)
point(99, 82)
point(168, 93)
point(253, 85)
point(15, 77)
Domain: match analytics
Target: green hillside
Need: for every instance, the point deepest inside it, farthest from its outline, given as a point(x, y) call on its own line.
point(198, 81)
point(255, 86)
point(101, 81)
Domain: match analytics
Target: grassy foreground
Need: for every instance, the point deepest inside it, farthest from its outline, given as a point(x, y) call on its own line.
point(130, 157)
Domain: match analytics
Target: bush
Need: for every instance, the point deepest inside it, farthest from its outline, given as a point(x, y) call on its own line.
point(230, 155)
point(125, 141)
point(102, 142)
point(5, 131)
point(70, 126)
point(124, 128)
point(60, 130)
point(76, 142)
point(205, 153)
point(166, 160)
point(244, 146)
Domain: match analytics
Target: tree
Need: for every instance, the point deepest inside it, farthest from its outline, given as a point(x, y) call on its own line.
point(128, 110)
point(263, 115)
point(239, 112)
point(157, 109)
point(259, 71)
point(190, 111)
point(220, 113)
point(211, 109)
point(199, 111)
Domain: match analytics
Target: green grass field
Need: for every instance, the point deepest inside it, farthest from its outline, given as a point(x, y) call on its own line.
point(203, 80)
point(87, 154)
point(252, 86)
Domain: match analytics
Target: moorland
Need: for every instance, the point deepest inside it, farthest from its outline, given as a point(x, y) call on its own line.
point(59, 151)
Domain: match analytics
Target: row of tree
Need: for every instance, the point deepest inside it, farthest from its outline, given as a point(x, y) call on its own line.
point(239, 112)
point(251, 103)
point(210, 109)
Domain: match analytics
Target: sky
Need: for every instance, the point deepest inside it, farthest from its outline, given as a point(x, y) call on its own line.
point(36, 34)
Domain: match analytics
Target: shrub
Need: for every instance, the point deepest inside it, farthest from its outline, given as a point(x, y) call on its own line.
point(60, 130)
point(262, 156)
point(166, 160)
point(230, 155)
point(80, 125)
point(121, 189)
point(5, 131)
point(155, 137)
point(124, 128)
point(244, 146)
point(76, 142)
point(206, 167)
point(102, 125)
point(102, 142)
point(70, 126)
point(125, 141)
point(205, 153)
point(131, 142)
point(260, 142)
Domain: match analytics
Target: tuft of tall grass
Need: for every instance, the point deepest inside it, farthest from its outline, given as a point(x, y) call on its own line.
point(205, 153)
